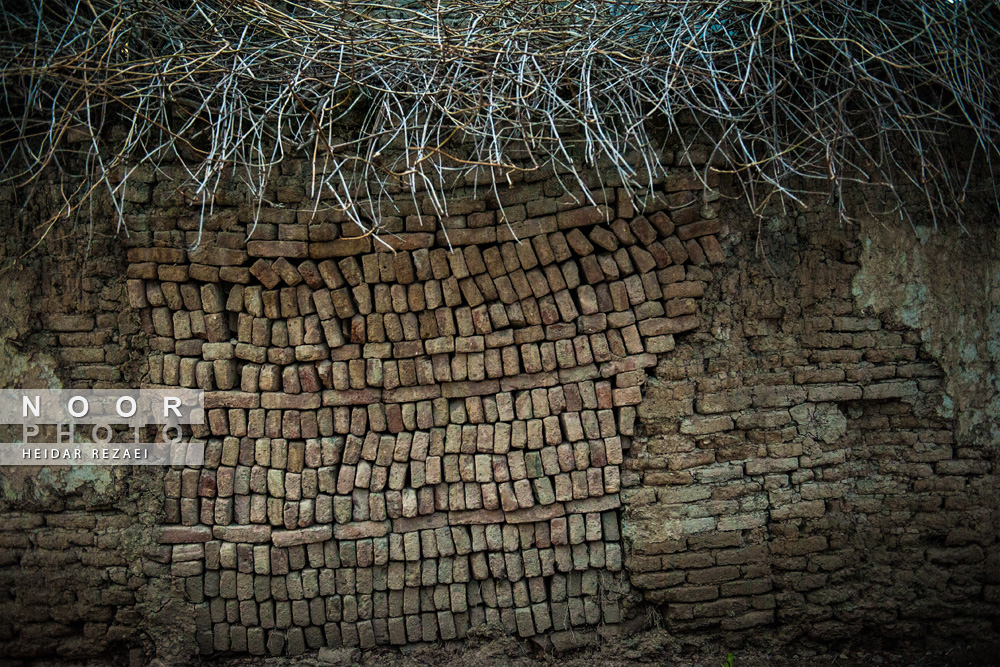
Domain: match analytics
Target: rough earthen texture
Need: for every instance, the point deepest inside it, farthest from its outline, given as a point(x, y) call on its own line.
point(802, 467)
point(73, 578)
point(411, 438)
point(408, 440)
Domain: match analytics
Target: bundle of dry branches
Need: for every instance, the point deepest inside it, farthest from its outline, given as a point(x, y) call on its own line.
point(795, 96)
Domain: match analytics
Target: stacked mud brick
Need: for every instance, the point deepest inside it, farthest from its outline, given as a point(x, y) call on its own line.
point(68, 589)
point(801, 465)
point(414, 435)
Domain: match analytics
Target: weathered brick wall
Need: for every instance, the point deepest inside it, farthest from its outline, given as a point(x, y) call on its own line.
point(69, 589)
point(800, 463)
point(411, 437)
point(71, 578)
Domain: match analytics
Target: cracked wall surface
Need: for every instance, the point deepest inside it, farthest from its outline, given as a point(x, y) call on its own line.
point(542, 412)
point(803, 467)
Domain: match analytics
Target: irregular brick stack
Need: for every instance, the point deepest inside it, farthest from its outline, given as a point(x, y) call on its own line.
point(415, 435)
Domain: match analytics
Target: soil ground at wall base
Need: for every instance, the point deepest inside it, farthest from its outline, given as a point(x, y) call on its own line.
point(650, 647)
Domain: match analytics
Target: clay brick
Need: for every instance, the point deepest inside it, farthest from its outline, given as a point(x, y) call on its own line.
point(526, 229)
point(203, 273)
point(582, 217)
point(403, 242)
point(644, 231)
point(361, 530)
point(627, 396)
point(887, 390)
point(659, 326)
point(535, 513)
point(579, 243)
point(463, 237)
point(592, 273)
point(694, 251)
point(216, 256)
point(244, 534)
point(473, 390)
point(287, 538)
point(463, 389)
point(351, 397)
point(677, 250)
point(285, 401)
point(604, 238)
point(143, 270)
point(644, 261)
point(184, 534)
point(310, 273)
point(475, 517)
point(662, 222)
point(700, 228)
point(265, 274)
point(171, 273)
point(288, 273)
point(343, 247)
point(706, 425)
point(590, 505)
point(713, 251)
point(136, 293)
point(297, 249)
point(412, 394)
point(231, 399)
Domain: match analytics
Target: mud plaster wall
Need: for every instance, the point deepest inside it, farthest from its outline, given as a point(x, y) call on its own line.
point(804, 461)
point(406, 446)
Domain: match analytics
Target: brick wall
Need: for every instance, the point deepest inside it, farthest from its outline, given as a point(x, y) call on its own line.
point(800, 468)
point(72, 580)
point(413, 436)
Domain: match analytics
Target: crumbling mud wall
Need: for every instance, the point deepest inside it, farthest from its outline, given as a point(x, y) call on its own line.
point(536, 413)
point(75, 579)
point(805, 465)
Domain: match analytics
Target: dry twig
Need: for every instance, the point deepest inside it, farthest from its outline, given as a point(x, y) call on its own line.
point(794, 96)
